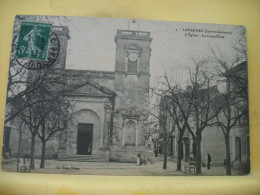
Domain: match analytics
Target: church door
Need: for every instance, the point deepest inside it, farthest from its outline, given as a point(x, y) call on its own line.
point(85, 139)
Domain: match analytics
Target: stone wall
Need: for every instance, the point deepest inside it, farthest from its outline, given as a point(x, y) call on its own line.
point(213, 142)
point(52, 146)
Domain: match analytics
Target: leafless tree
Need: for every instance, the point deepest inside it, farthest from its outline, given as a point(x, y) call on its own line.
point(37, 96)
point(201, 98)
point(56, 109)
point(176, 107)
point(229, 109)
point(159, 116)
point(18, 85)
point(231, 106)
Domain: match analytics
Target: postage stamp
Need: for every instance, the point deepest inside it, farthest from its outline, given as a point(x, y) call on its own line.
point(33, 40)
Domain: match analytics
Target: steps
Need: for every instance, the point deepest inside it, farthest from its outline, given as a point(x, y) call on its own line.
point(84, 158)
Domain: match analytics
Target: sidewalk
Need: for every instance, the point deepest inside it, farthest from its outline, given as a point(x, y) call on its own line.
point(115, 168)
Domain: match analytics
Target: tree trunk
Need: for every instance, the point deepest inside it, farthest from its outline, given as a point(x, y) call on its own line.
point(165, 155)
point(19, 151)
point(32, 151)
point(228, 161)
point(180, 154)
point(198, 155)
point(43, 154)
point(43, 144)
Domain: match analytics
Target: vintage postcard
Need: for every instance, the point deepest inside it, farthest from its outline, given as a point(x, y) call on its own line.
point(103, 96)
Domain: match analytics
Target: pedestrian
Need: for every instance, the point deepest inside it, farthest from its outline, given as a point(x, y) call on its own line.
point(209, 161)
point(138, 160)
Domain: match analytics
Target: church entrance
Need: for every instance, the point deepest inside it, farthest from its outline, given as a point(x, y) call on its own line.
point(85, 139)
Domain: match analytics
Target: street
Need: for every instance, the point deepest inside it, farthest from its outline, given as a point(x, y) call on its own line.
point(115, 168)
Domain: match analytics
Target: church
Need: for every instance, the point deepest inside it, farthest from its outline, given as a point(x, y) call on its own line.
point(111, 109)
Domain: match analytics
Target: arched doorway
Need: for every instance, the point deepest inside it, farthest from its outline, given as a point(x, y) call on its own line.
point(85, 139)
point(88, 132)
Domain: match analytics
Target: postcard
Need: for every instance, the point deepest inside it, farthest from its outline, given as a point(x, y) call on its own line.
point(103, 96)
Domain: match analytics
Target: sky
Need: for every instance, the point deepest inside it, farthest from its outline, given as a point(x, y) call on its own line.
point(92, 45)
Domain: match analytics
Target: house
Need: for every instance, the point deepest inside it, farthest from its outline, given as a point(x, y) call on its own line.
point(213, 140)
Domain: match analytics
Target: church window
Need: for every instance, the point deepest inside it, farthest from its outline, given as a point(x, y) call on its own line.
point(132, 62)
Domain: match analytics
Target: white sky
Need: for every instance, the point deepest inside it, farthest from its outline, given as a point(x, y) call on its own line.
point(92, 45)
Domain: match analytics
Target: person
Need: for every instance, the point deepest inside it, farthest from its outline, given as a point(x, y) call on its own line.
point(138, 160)
point(209, 161)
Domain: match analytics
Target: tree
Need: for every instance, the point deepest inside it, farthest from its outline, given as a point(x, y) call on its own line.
point(159, 116)
point(28, 97)
point(176, 105)
point(229, 110)
point(20, 127)
point(18, 86)
point(56, 112)
point(201, 98)
point(232, 105)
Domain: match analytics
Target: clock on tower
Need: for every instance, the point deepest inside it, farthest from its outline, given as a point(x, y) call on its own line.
point(132, 56)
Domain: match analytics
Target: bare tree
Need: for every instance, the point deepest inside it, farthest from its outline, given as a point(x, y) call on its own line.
point(229, 110)
point(20, 127)
point(175, 102)
point(232, 105)
point(29, 97)
point(201, 98)
point(59, 113)
point(19, 86)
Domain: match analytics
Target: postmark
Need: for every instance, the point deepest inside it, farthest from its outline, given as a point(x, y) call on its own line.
point(37, 46)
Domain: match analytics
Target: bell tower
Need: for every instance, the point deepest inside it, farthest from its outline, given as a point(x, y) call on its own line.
point(133, 52)
point(62, 33)
point(132, 64)
point(131, 84)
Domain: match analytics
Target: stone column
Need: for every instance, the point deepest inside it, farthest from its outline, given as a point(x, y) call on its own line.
point(107, 119)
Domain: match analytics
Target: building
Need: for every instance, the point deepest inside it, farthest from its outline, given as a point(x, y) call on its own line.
point(239, 134)
point(110, 110)
point(213, 140)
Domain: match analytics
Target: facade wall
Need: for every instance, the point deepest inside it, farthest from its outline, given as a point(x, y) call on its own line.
point(52, 146)
point(89, 110)
point(213, 142)
point(239, 146)
point(144, 60)
point(118, 125)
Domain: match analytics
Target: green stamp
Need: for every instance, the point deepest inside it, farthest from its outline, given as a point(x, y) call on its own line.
point(33, 40)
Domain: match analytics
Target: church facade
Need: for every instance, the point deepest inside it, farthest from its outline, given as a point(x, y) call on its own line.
point(111, 109)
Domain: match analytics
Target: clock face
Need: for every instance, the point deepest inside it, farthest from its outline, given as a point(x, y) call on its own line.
point(132, 57)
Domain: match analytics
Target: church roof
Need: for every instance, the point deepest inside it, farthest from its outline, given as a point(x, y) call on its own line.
point(93, 89)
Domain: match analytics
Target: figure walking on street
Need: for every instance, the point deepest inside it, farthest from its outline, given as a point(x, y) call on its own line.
point(139, 160)
point(209, 161)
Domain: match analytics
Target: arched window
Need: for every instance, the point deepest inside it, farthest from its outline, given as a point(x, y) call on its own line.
point(130, 133)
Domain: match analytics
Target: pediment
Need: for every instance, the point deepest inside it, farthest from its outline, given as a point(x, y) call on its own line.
point(93, 89)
